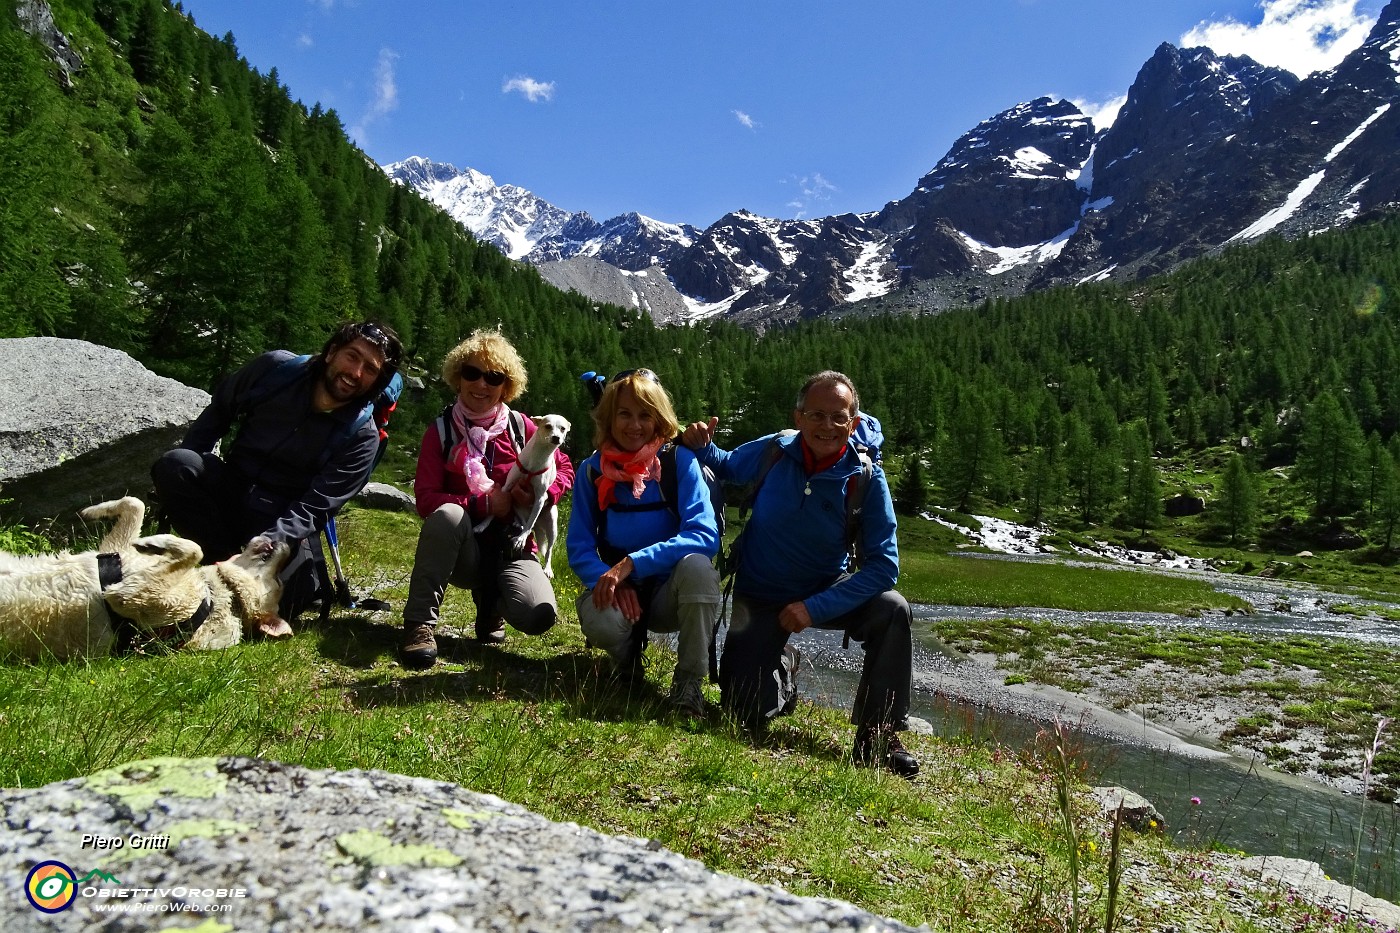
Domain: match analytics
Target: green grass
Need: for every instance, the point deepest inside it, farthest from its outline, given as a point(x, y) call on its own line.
point(976, 843)
point(969, 581)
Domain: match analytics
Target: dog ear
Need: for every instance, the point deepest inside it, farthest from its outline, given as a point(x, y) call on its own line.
point(539, 420)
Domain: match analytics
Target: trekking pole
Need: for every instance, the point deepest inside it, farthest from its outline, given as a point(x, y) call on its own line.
point(342, 588)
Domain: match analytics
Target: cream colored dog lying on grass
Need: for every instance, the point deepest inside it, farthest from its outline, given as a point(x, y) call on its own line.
point(132, 588)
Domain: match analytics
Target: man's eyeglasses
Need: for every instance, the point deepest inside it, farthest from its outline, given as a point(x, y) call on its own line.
point(493, 378)
point(839, 419)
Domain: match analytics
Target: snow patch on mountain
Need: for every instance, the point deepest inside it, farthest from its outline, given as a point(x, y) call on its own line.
point(1307, 186)
point(1287, 209)
point(1337, 149)
point(1009, 257)
point(864, 279)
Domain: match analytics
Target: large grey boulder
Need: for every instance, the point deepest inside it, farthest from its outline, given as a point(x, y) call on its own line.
point(80, 423)
point(254, 845)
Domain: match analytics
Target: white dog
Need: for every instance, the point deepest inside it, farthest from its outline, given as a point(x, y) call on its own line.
point(536, 466)
point(76, 605)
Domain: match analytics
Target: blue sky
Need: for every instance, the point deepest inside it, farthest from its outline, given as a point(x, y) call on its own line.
point(684, 112)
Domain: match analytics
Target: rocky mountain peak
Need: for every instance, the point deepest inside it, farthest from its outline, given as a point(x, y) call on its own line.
point(1181, 100)
point(1207, 150)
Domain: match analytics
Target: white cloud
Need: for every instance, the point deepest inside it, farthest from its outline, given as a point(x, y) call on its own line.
point(746, 120)
point(533, 91)
point(812, 189)
point(1102, 113)
point(386, 95)
point(304, 41)
point(1302, 36)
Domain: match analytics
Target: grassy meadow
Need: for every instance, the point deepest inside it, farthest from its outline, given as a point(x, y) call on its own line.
point(986, 838)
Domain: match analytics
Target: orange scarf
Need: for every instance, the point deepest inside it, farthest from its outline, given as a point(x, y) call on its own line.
point(633, 468)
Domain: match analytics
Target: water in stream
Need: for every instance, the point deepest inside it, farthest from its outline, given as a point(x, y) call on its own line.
point(1243, 805)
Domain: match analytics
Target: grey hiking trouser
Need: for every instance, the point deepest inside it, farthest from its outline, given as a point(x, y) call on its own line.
point(449, 551)
point(756, 686)
point(687, 603)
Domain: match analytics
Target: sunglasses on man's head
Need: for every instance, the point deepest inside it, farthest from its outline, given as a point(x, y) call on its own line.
point(493, 378)
point(375, 335)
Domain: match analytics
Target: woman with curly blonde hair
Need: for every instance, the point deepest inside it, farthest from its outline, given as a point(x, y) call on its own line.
point(463, 462)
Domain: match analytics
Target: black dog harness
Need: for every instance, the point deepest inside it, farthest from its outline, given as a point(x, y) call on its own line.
point(174, 635)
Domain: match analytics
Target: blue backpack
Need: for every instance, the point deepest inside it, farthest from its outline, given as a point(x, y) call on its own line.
point(869, 436)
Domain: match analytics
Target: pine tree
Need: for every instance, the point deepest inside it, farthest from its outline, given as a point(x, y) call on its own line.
point(1328, 456)
point(972, 458)
point(911, 495)
point(1142, 506)
point(1375, 461)
point(1238, 502)
point(1387, 515)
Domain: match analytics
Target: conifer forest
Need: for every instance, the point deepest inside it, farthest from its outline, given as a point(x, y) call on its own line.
point(164, 198)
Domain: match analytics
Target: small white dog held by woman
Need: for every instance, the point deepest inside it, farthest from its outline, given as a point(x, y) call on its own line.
point(460, 483)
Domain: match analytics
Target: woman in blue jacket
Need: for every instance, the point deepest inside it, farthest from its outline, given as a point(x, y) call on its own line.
point(645, 561)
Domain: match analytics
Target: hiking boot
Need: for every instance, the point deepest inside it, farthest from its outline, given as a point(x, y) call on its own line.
point(492, 631)
point(790, 661)
point(419, 651)
point(880, 747)
point(632, 671)
point(688, 699)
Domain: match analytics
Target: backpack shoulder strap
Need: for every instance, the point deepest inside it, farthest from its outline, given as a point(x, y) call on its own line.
point(273, 381)
point(600, 527)
point(772, 453)
point(517, 430)
point(443, 423)
point(856, 487)
point(670, 483)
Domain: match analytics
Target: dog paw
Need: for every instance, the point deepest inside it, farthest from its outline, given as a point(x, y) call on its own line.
point(274, 627)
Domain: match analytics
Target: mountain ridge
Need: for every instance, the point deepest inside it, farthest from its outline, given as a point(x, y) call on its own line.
point(1206, 151)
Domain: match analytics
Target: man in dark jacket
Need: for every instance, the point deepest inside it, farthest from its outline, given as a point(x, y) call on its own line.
point(302, 448)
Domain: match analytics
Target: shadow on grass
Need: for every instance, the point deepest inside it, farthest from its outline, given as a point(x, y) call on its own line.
point(582, 681)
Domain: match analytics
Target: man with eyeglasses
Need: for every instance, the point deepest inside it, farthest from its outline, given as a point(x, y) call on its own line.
point(300, 447)
point(794, 569)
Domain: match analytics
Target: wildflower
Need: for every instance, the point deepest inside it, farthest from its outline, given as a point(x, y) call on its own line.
point(1195, 801)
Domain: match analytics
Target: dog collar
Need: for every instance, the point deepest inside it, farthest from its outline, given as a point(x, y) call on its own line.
point(540, 472)
point(109, 574)
point(174, 635)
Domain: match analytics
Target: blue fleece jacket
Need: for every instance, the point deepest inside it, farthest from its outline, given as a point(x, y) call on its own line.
point(795, 542)
point(656, 539)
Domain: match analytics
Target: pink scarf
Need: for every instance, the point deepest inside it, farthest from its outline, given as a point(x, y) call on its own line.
point(634, 469)
point(466, 457)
